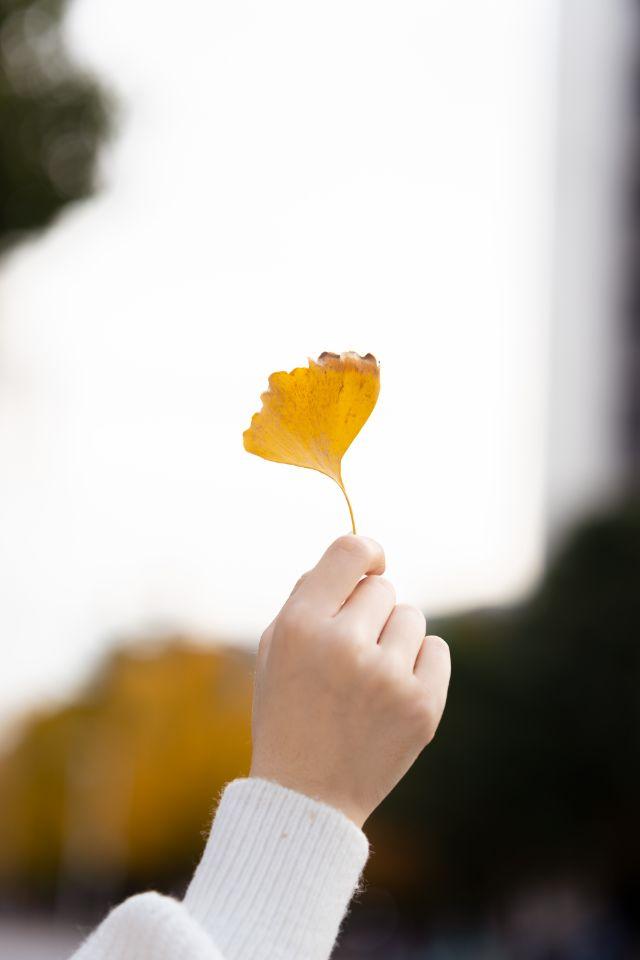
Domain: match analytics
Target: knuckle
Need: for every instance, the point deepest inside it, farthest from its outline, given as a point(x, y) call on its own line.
point(443, 648)
point(361, 548)
point(354, 546)
point(414, 614)
point(351, 636)
point(299, 582)
point(265, 640)
point(386, 678)
point(426, 717)
point(294, 618)
point(442, 644)
point(383, 584)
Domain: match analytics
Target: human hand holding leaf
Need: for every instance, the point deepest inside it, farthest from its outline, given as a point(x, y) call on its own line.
point(310, 416)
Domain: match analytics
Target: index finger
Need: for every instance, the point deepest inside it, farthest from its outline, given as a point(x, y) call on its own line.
point(339, 570)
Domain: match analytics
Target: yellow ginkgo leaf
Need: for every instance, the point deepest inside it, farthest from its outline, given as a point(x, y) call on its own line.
point(310, 416)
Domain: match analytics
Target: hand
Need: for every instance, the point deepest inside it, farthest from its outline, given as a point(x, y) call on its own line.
point(348, 688)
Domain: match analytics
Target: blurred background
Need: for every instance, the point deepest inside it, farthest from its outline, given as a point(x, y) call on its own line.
point(193, 198)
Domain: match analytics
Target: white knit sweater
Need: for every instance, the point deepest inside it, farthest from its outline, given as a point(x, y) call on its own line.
point(275, 881)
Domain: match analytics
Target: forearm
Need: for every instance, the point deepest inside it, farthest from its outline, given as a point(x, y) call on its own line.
point(277, 874)
point(348, 692)
point(275, 881)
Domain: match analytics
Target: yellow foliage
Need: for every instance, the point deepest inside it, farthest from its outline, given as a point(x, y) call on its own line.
point(113, 791)
point(119, 785)
point(310, 416)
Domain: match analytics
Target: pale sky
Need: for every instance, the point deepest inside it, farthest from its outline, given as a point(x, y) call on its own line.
point(287, 178)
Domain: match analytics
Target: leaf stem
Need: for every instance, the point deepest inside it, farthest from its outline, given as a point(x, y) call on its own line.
point(346, 496)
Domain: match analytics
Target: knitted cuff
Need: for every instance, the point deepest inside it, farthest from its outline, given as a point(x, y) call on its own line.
point(277, 874)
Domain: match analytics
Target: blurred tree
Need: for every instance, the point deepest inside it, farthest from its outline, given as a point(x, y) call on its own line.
point(53, 118)
point(534, 775)
point(112, 791)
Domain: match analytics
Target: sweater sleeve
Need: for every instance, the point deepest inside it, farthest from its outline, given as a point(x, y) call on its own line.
point(277, 874)
point(148, 926)
point(275, 880)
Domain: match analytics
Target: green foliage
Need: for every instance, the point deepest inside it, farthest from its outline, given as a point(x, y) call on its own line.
point(535, 773)
point(53, 117)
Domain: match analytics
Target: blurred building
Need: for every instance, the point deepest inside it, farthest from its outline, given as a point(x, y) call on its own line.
point(594, 395)
point(632, 304)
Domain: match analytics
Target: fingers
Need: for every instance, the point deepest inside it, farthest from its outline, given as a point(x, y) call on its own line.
point(368, 608)
point(337, 573)
point(403, 634)
point(433, 669)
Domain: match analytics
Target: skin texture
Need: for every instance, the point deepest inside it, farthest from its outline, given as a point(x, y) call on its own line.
point(349, 690)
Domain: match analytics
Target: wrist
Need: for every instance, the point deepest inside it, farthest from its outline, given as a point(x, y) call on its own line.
point(321, 791)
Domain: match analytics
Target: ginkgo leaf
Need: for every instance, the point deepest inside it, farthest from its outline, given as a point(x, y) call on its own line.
point(310, 416)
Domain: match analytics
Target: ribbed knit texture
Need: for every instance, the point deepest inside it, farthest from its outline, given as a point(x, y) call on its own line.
point(277, 874)
point(275, 880)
